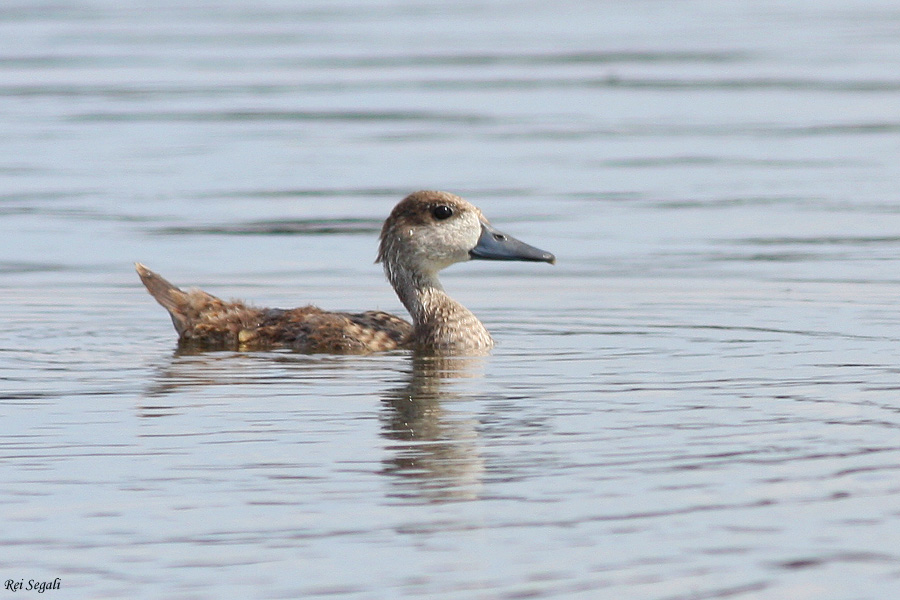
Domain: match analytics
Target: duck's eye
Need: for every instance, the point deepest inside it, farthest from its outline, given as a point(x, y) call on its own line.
point(442, 212)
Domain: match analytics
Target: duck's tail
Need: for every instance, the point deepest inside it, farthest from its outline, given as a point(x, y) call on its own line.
point(185, 308)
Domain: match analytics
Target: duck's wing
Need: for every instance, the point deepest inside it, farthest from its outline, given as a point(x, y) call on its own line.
point(206, 322)
point(310, 329)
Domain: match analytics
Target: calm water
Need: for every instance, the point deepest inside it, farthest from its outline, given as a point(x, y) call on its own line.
point(700, 400)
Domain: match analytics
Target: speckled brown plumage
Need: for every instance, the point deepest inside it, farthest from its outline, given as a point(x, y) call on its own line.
point(206, 322)
point(426, 232)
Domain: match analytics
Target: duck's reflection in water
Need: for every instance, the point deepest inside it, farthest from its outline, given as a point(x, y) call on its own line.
point(433, 451)
point(432, 445)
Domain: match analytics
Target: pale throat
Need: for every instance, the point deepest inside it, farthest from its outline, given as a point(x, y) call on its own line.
point(438, 319)
point(420, 291)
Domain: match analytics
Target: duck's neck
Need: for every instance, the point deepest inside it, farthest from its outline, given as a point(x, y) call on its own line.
point(440, 322)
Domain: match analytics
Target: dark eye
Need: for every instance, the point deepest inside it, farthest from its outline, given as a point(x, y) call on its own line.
point(442, 212)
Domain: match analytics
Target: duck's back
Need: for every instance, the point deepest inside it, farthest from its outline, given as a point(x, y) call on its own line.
point(310, 329)
point(204, 321)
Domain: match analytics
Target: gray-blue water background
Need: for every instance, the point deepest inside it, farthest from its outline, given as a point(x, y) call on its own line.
point(700, 400)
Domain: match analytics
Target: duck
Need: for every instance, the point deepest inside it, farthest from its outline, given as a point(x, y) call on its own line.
point(425, 233)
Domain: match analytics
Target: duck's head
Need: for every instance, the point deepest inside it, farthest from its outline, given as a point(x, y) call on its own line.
point(429, 231)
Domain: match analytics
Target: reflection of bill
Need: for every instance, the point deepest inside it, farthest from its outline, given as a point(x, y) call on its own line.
point(437, 452)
